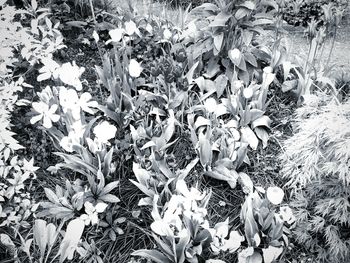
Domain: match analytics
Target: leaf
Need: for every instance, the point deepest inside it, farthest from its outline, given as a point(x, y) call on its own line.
point(249, 137)
point(170, 128)
point(109, 187)
point(201, 121)
point(241, 12)
point(271, 253)
point(262, 21)
point(71, 239)
point(148, 145)
point(218, 39)
point(205, 84)
point(161, 228)
point(34, 4)
point(220, 20)
point(289, 85)
point(40, 235)
point(246, 183)
point(262, 135)
point(248, 4)
point(190, 73)
point(144, 188)
point(250, 59)
point(220, 83)
point(255, 258)
point(109, 198)
point(182, 245)
point(44, 76)
point(154, 255)
point(165, 248)
point(107, 162)
point(262, 121)
point(212, 68)
point(205, 152)
point(51, 196)
point(51, 234)
point(6, 241)
point(79, 24)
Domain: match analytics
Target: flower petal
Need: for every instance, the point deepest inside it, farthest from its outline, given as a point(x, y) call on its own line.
point(275, 195)
point(36, 118)
point(100, 207)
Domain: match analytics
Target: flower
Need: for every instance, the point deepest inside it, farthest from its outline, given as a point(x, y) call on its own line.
point(275, 195)
point(286, 214)
point(95, 36)
point(116, 35)
point(28, 167)
point(86, 104)
point(167, 34)
point(70, 74)
point(49, 69)
point(248, 93)
point(74, 136)
point(235, 55)
point(104, 132)
point(46, 94)
point(47, 114)
point(69, 100)
point(135, 68)
point(92, 212)
point(221, 241)
point(268, 76)
point(131, 28)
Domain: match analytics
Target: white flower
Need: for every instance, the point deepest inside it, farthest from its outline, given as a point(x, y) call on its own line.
point(74, 136)
point(131, 28)
point(92, 212)
point(86, 104)
point(268, 76)
point(49, 69)
point(28, 167)
point(116, 35)
point(70, 74)
point(95, 36)
point(167, 34)
point(287, 214)
point(275, 195)
point(235, 55)
point(135, 68)
point(210, 105)
point(248, 93)
point(221, 241)
point(104, 132)
point(69, 100)
point(46, 94)
point(47, 114)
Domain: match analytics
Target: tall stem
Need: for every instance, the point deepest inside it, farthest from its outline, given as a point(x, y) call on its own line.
point(92, 10)
point(332, 47)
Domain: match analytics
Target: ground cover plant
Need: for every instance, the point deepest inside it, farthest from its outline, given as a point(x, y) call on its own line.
point(130, 137)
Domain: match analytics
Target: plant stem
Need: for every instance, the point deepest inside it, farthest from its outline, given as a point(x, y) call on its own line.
point(92, 11)
point(332, 47)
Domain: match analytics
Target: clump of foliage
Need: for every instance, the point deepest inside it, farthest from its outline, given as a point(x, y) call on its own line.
point(183, 3)
point(300, 13)
point(316, 167)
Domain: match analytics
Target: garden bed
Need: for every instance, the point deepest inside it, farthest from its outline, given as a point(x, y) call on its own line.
point(143, 136)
